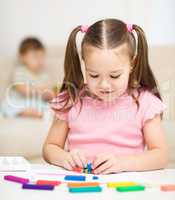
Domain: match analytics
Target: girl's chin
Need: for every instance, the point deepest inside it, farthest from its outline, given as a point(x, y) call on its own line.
point(107, 98)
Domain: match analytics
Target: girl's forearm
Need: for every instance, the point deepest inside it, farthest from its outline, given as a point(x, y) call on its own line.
point(149, 160)
point(54, 154)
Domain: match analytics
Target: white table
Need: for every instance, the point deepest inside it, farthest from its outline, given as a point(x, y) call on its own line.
point(13, 191)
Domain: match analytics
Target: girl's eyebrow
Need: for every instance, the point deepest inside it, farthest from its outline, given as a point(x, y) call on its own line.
point(119, 70)
point(90, 70)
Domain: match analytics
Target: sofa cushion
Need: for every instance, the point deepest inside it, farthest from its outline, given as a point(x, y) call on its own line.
point(23, 136)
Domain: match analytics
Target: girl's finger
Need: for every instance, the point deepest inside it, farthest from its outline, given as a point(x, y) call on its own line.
point(107, 171)
point(71, 162)
point(82, 158)
point(67, 166)
point(99, 161)
point(77, 159)
point(103, 167)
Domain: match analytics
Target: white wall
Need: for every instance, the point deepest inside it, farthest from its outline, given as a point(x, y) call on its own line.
point(52, 20)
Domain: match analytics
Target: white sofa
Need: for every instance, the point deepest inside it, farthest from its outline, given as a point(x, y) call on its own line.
point(25, 136)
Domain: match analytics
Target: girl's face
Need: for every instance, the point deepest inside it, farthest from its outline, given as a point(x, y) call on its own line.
point(107, 71)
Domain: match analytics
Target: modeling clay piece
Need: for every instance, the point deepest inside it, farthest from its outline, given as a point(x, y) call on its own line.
point(78, 169)
point(85, 189)
point(86, 170)
point(37, 187)
point(89, 168)
point(120, 184)
point(95, 177)
point(16, 179)
point(131, 188)
point(84, 184)
point(47, 182)
point(167, 188)
point(74, 178)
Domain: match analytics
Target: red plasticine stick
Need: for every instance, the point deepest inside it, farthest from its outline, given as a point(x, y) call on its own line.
point(167, 188)
point(78, 169)
point(47, 182)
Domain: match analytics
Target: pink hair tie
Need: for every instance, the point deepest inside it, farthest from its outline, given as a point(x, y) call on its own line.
point(129, 27)
point(84, 28)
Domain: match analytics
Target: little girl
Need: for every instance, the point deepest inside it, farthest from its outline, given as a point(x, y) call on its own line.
point(114, 120)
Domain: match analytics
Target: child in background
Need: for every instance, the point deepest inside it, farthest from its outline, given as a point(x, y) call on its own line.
point(114, 120)
point(30, 89)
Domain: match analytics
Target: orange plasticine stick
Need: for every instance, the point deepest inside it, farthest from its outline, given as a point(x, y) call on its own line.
point(84, 184)
point(167, 188)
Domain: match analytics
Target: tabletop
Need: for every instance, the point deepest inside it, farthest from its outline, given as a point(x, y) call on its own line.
point(151, 179)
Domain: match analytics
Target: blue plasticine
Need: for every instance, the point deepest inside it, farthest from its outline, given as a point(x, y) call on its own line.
point(95, 177)
point(89, 167)
point(74, 178)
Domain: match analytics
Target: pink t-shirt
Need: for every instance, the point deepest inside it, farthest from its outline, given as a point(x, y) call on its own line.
point(113, 128)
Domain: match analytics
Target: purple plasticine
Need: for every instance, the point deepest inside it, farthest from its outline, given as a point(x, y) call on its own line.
point(37, 187)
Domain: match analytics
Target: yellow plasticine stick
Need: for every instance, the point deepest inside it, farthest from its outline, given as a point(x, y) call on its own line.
point(120, 184)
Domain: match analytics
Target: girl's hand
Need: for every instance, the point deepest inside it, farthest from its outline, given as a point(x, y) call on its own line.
point(74, 158)
point(107, 163)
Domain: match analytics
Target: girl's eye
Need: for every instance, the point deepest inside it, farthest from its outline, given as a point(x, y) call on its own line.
point(115, 77)
point(93, 76)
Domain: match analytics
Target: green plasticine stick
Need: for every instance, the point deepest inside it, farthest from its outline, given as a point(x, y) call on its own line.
point(130, 188)
point(85, 189)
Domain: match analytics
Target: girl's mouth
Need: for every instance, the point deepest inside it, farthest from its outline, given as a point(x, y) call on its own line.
point(106, 92)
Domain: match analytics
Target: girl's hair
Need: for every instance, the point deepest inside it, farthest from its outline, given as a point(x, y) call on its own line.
point(108, 34)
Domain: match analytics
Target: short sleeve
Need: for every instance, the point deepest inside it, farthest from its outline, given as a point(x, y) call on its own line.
point(152, 106)
point(56, 104)
point(21, 75)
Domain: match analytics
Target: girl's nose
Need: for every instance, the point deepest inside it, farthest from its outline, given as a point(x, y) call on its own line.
point(105, 85)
